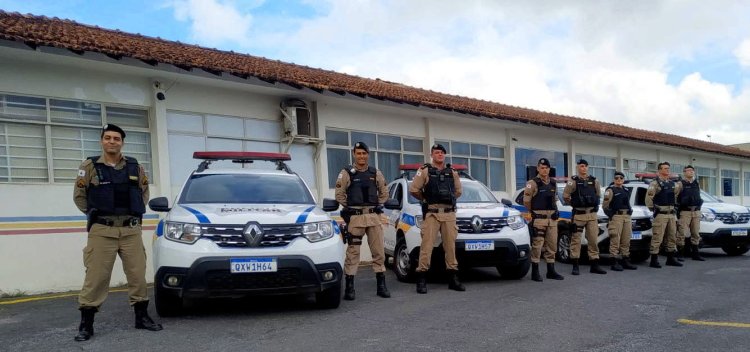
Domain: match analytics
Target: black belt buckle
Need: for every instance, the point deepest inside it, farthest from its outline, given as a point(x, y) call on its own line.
point(133, 222)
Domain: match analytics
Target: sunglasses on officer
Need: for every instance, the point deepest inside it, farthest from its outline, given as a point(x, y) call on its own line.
point(619, 177)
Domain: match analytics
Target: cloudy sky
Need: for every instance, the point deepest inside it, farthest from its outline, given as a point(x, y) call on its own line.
point(681, 67)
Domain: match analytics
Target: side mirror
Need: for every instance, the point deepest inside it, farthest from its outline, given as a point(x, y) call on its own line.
point(506, 202)
point(330, 204)
point(392, 204)
point(159, 204)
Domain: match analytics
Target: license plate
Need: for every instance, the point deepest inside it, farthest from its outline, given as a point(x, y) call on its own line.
point(636, 235)
point(480, 245)
point(252, 265)
point(742, 232)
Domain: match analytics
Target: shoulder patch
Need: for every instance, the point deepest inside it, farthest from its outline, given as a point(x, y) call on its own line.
point(528, 185)
point(570, 183)
point(419, 172)
point(81, 173)
point(340, 176)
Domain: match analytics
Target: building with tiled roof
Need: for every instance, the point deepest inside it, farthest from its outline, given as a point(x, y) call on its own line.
point(61, 81)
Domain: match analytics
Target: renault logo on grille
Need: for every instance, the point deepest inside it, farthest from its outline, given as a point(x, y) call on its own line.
point(476, 224)
point(253, 234)
point(735, 217)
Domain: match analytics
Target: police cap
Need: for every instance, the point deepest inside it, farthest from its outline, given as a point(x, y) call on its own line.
point(688, 167)
point(361, 145)
point(583, 161)
point(437, 146)
point(544, 161)
point(618, 173)
point(112, 127)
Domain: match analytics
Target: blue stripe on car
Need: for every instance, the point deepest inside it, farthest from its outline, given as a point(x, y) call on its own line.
point(505, 212)
point(160, 228)
point(201, 218)
point(408, 219)
point(336, 228)
point(303, 217)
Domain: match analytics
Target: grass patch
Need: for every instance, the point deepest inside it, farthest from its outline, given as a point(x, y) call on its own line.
point(16, 294)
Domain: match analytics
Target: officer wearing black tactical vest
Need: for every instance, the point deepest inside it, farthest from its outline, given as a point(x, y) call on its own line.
point(361, 190)
point(689, 204)
point(661, 199)
point(582, 192)
point(540, 197)
point(112, 190)
point(438, 186)
point(617, 207)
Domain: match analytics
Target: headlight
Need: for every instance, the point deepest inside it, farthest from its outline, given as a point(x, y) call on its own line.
point(708, 216)
point(516, 222)
point(183, 233)
point(317, 231)
point(418, 221)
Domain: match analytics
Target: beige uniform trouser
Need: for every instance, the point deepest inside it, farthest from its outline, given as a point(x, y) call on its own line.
point(543, 234)
point(689, 225)
point(589, 222)
point(374, 240)
point(620, 230)
point(103, 246)
point(448, 231)
point(664, 224)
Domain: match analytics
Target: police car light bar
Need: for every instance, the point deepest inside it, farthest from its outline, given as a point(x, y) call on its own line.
point(414, 167)
point(242, 156)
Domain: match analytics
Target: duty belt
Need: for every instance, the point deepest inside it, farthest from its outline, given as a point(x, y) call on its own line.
point(582, 211)
point(441, 210)
point(131, 222)
point(666, 212)
point(541, 216)
point(690, 208)
point(622, 212)
point(355, 211)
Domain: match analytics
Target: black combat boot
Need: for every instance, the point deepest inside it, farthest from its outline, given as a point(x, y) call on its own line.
point(551, 273)
point(453, 282)
point(349, 289)
point(142, 320)
point(422, 282)
point(595, 268)
point(655, 261)
point(576, 269)
point(535, 272)
point(671, 261)
point(86, 328)
point(382, 289)
point(625, 262)
point(679, 254)
point(696, 254)
point(616, 264)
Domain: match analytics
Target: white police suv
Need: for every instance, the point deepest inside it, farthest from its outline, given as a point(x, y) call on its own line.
point(490, 233)
point(238, 232)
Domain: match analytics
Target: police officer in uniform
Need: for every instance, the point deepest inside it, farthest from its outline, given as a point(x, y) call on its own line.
point(583, 192)
point(660, 198)
point(438, 186)
point(112, 190)
point(540, 197)
point(361, 190)
point(689, 203)
point(617, 207)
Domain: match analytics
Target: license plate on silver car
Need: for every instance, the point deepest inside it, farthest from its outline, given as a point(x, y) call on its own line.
point(739, 232)
point(636, 235)
point(252, 265)
point(480, 245)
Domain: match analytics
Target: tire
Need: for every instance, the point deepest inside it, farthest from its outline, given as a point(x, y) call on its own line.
point(637, 257)
point(329, 298)
point(403, 264)
point(735, 249)
point(514, 272)
point(563, 248)
point(167, 305)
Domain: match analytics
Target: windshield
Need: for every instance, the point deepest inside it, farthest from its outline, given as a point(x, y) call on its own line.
point(472, 192)
point(709, 198)
point(245, 189)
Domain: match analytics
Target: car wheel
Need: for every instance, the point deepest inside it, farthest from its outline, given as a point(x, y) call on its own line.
point(403, 265)
point(637, 257)
point(735, 249)
point(329, 298)
point(514, 272)
point(167, 305)
point(563, 248)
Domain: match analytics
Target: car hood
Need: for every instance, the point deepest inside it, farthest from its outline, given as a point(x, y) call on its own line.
point(467, 210)
point(723, 207)
point(243, 213)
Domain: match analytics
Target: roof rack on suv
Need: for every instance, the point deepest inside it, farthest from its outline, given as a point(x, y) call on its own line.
point(242, 158)
point(408, 170)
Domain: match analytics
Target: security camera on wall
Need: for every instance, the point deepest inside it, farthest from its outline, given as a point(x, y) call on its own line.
point(297, 119)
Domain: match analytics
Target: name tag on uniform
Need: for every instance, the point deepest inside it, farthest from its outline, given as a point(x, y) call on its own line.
point(133, 178)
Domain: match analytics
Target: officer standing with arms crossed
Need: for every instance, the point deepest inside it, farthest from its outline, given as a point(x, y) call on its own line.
point(438, 186)
point(112, 190)
point(689, 203)
point(583, 192)
point(617, 207)
point(660, 198)
point(540, 197)
point(361, 191)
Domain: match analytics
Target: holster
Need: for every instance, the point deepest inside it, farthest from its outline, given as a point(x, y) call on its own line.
point(91, 217)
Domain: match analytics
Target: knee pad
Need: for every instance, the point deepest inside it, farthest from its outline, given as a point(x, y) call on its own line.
point(354, 241)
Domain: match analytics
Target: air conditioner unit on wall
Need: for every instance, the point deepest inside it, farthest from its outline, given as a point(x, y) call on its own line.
point(297, 118)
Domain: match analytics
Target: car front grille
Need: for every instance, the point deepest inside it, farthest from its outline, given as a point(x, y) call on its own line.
point(733, 218)
point(224, 280)
point(641, 224)
point(489, 225)
point(232, 235)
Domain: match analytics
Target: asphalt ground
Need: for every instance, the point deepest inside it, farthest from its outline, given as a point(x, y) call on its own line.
point(702, 306)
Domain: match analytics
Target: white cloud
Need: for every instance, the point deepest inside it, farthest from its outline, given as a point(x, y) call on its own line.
point(743, 53)
point(213, 22)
